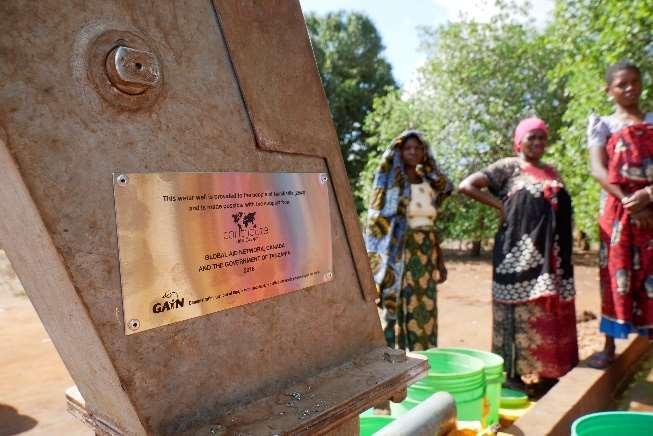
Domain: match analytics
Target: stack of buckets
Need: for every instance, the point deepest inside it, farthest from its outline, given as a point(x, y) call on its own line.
point(493, 379)
point(472, 377)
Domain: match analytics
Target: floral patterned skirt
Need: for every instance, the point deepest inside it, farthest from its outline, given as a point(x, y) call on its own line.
point(416, 325)
point(626, 273)
point(536, 338)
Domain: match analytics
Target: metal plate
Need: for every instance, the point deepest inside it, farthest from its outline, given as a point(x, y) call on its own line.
point(196, 243)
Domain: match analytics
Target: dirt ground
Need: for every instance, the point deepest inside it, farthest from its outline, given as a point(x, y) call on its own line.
point(464, 302)
point(33, 378)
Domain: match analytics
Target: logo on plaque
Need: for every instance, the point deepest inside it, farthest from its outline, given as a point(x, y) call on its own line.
point(171, 301)
point(246, 230)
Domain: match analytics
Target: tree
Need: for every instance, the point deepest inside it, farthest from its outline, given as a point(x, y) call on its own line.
point(479, 81)
point(348, 51)
point(589, 35)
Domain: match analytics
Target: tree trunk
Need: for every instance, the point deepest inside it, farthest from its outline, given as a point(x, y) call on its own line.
point(475, 251)
point(476, 244)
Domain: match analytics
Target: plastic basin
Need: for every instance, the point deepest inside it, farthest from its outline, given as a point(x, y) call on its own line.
point(371, 424)
point(511, 398)
point(614, 424)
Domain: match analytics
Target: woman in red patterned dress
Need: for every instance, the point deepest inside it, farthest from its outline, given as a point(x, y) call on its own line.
point(621, 156)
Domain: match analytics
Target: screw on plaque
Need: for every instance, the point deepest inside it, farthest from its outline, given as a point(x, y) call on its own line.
point(134, 324)
point(324, 178)
point(133, 71)
point(122, 180)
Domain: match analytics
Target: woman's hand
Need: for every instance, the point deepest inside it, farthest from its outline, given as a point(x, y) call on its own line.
point(638, 200)
point(442, 273)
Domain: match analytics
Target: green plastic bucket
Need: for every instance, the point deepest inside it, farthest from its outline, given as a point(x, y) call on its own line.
point(461, 375)
point(614, 424)
point(371, 424)
point(494, 377)
point(469, 402)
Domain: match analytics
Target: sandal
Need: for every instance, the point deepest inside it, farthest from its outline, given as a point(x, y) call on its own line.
point(600, 360)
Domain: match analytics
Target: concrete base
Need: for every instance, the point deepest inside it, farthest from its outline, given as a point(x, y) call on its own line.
point(581, 391)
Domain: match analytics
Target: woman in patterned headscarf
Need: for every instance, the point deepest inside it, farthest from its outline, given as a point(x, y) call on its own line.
point(402, 242)
point(534, 319)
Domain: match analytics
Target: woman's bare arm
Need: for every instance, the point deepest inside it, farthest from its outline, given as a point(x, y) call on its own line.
point(473, 186)
point(599, 170)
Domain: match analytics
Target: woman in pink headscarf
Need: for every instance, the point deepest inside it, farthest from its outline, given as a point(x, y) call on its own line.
point(534, 319)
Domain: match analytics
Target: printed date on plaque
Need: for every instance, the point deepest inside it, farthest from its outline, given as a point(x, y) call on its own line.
point(191, 244)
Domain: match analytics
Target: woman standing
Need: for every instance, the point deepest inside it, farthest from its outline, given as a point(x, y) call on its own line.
point(621, 157)
point(402, 242)
point(534, 319)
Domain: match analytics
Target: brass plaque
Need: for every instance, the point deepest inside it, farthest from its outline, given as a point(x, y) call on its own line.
point(191, 244)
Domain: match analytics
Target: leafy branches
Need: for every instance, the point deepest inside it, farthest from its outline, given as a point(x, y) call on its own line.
point(348, 51)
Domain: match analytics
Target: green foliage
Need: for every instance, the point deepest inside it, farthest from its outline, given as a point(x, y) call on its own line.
point(348, 51)
point(590, 35)
point(479, 81)
point(482, 78)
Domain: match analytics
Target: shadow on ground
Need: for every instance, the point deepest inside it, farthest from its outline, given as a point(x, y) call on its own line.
point(12, 422)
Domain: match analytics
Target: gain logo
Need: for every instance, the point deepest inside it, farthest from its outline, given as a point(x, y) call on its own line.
point(247, 229)
point(172, 301)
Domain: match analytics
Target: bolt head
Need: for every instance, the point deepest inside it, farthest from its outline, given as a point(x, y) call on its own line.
point(132, 71)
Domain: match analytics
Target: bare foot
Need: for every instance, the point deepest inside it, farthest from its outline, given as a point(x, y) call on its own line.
point(530, 379)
